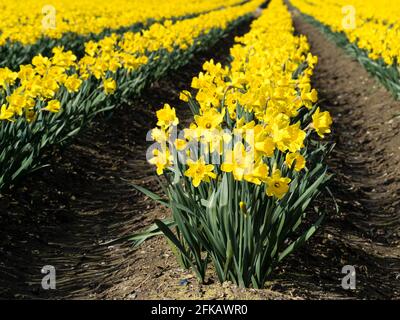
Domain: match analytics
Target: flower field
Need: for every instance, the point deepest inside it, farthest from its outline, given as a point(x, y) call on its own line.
point(72, 23)
point(200, 149)
point(49, 100)
point(373, 31)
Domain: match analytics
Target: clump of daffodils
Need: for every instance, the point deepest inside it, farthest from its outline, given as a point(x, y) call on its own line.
point(247, 115)
point(240, 176)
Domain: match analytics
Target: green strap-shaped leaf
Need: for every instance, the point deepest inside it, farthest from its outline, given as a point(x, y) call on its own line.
point(150, 232)
point(150, 194)
point(302, 239)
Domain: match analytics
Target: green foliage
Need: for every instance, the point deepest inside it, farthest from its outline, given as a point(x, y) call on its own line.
point(243, 245)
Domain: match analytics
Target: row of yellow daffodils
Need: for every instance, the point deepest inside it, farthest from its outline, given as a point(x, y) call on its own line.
point(240, 177)
point(372, 25)
point(27, 21)
point(258, 97)
point(37, 86)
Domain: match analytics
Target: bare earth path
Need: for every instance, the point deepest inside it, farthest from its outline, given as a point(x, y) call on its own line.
point(366, 162)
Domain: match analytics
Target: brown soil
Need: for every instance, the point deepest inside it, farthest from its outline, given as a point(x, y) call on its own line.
point(366, 164)
point(68, 214)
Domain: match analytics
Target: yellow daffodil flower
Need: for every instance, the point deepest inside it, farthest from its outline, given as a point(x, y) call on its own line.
point(300, 161)
point(109, 86)
point(53, 106)
point(167, 117)
point(199, 171)
point(209, 120)
point(277, 186)
point(322, 122)
point(161, 159)
point(6, 113)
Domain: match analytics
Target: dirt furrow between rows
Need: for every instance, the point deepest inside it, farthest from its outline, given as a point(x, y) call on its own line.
point(366, 183)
